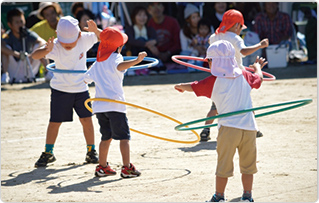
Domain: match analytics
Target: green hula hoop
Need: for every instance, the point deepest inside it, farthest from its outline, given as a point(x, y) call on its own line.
point(298, 103)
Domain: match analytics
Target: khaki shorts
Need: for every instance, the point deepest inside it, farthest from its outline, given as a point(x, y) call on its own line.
point(228, 140)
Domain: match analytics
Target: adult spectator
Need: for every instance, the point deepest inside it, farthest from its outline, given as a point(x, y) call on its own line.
point(76, 7)
point(83, 16)
point(249, 11)
point(48, 12)
point(219, 10)
point(12, 50)
point(140, 36)
point(167, 30)
point(189, 31)
point(273, 24)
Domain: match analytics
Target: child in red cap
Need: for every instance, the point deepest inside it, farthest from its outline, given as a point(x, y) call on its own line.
point(230, 87)
point(229, 29)
point(108, 73)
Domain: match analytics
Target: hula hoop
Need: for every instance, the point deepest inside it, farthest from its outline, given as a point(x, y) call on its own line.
point(176, 58)
point(298, 103)
point(153, 63)
point(149, 110)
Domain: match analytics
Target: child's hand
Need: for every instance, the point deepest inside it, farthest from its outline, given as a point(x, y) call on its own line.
point(264, 43)
point(92, 27)
point(49, 45)
point(179, 88)
point(141, 56)
point(259, 63)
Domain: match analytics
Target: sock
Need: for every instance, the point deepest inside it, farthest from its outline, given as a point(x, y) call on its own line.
point(247, 194)
point(219, 196)
point(90, 147)
point(49, 148)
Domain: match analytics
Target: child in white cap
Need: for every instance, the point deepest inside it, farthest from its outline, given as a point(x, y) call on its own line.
point(229, 29)
point(230, 87)
point(108, 73)
point(68, 91)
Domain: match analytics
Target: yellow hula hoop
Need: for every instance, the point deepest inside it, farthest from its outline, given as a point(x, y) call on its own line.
point(149, 110)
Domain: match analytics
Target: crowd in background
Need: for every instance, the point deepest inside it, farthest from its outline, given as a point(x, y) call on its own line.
point(165, 29)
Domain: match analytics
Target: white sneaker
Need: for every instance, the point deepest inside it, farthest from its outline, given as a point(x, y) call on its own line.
point(5, 79)
point(152, 72)
point(162, 72)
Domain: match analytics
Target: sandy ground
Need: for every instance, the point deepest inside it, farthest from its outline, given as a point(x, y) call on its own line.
point(171, 172)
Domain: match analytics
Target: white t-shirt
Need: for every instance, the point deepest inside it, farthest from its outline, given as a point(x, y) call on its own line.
point(236, 41)
point(230, 95)
point(74, 59)
point(108, 84)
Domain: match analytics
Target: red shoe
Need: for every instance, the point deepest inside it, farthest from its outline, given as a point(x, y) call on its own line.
point(130, 172)
point(101, 171)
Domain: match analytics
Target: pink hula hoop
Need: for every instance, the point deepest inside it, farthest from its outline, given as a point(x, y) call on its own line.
point(176, 58)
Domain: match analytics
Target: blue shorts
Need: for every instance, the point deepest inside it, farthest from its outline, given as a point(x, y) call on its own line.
point(63, 103)
point(113, 125)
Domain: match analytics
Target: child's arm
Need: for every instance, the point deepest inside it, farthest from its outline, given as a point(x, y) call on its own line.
point(251, 49)
point(127, 64)
point(92, 27)
point(182, 87)
point(41, 52)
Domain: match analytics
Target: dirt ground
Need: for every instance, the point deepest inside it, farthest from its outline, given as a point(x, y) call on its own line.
point(171, 172)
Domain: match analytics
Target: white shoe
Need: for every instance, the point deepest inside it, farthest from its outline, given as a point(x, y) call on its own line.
point(162, 72)
point(152, 72)
point(5, 79)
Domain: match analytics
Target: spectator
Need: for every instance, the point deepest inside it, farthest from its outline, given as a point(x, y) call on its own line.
point(201, 40)
point(48, 12)
point(140, 36)
point(12, 56)
point(273, 24)
point(220, 9)
point(76, 7)
point(249, 11)
point(311, 35)
point(167, 30)
point(83, 16)
point(189, 31)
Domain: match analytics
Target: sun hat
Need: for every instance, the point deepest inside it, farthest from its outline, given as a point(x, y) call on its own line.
point(189, 10)
point(111, 38)
point(68, 29)
point(230, 18)
point(224, 64)
point(44, 5)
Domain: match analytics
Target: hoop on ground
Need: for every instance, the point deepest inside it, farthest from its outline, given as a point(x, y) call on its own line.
point(153, 63)
point(176, 58)
point(149, 110)
point(298, 103)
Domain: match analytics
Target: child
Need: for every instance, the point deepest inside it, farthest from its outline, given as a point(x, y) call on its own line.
point(68, 90)
point(229, 29)
point(200, 41)
point(107, 74)
point(230, 87)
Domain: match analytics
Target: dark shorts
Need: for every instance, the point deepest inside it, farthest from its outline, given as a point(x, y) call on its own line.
point(113, 125)
point(63, 103)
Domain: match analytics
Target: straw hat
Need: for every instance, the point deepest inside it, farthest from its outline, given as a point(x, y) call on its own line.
point(44, 5)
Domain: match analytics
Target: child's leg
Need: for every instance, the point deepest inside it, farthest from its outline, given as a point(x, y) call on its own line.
point(88, 130)
point(247, 180)
point(52, 132)
point(221, 185)
point(103, 151)
point(125, 151)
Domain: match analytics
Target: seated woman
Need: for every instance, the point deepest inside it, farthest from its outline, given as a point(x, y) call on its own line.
point(140, 37)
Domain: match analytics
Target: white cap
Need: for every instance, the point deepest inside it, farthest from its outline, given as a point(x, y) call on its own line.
point(68, 29)
point(224, 63)
point(189, 10)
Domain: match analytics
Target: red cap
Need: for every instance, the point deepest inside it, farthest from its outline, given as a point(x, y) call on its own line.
point(230, 18)
point(111, 38)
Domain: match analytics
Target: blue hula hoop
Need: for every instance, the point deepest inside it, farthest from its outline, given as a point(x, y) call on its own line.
point(153, 63)
point(298, 103)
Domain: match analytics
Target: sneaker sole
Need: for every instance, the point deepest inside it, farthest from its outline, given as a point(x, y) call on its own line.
point(97, 174)
point(129, 176)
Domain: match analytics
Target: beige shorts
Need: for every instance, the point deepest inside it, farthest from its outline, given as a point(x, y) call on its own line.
point(228, 140)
